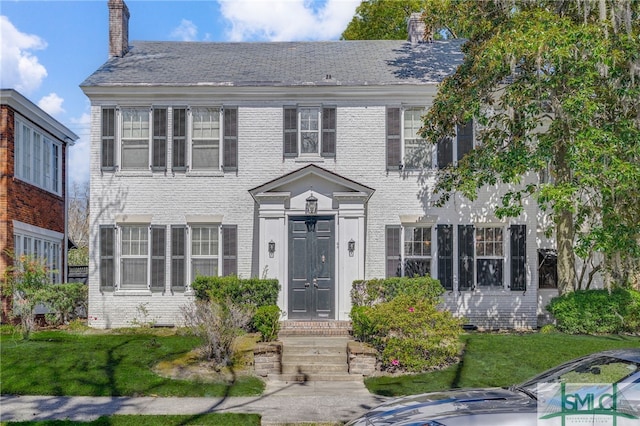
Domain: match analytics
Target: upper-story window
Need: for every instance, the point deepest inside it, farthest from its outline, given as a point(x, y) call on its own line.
point(406, 150)
point(37, 158)
point(142, 138)
point(309, 131)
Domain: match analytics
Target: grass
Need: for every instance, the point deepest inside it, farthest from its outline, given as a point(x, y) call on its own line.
point(62, 363)
point(131, 420)
point(491, 359)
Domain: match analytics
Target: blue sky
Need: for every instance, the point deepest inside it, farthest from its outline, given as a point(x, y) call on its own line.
point(47, 48)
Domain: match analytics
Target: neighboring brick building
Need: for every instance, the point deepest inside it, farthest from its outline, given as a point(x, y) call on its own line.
point(298, 161)
point(33, 184)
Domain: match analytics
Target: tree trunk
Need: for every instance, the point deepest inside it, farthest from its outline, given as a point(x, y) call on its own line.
point(565, 231)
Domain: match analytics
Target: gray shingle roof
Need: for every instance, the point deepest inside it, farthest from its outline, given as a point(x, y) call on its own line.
point(352, 63)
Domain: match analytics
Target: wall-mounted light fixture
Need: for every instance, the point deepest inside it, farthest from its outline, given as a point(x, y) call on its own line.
point(311, 206)
point(272, 248)
point(351, 246)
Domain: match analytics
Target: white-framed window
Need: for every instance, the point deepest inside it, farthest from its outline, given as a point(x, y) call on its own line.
point(134, 257)
point(416, 153)
point(134, 136)
point(204, 250)
point(41, 244)
point(309, 131)
point(202, 138)
point(37, 157)
point(490, 256)
point(409, 250)
point(205, 138)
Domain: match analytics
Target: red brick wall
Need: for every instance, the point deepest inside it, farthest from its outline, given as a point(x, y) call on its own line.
point(22, 201)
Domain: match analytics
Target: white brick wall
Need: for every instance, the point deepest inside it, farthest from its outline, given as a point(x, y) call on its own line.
point(360, 156)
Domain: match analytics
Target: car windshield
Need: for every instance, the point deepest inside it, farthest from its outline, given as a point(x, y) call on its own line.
point(601, 369)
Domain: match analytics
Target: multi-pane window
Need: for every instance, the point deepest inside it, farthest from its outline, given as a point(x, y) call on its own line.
point(205, 138)
point(408, 251)
point(204, 250)
point(37, 158)
point(135, 138)
point(417, 251)
point(134, 255)
point(309, 131)
point(46, 250)
point(489, 247)
point(197, 138)
point(414, 157)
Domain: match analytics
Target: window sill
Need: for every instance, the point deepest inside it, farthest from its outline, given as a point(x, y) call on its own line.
point(134, 173)
point(205, 173)
point(310, 159)
point(124, 292)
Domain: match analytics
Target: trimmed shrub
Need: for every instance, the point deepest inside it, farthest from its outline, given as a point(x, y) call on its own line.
point(411, 334)
point(266, 320)
point(65, 302)
point(597, 311)
point(252, 291)
point(371, 292)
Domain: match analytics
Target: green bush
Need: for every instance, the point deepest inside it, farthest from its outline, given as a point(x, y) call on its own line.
point(371, 292)
point(361, 324)
point(597, 311)
point(65, 301)
point(410, 333)
point(252, 291)
point(266, 320)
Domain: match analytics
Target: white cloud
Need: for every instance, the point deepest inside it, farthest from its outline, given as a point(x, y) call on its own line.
point(186, 31)
point(19, 68)
point(287, 20)
point(52, 104)
point(79, 153)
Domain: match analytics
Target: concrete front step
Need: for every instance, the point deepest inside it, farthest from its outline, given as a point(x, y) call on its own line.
point(315, 377)
point(313, 358)
point(314, 328)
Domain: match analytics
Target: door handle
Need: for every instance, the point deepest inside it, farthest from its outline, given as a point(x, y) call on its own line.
point(315, 283)
point(306, 285)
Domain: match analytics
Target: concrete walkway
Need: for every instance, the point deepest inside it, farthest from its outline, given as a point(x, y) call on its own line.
point(281, 403)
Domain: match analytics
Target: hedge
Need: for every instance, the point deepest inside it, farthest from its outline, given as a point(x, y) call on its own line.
point(250, 291)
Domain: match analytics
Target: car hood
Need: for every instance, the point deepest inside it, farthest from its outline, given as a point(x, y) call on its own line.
point(492, 402)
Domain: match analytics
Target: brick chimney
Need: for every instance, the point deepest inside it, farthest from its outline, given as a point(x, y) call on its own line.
point(416, 29)
point(118, 28)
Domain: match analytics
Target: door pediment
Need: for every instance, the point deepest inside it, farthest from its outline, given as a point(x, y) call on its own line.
point(293, 188)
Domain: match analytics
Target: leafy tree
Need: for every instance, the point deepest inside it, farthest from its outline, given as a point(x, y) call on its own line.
point(381, 20)
point(553, 86)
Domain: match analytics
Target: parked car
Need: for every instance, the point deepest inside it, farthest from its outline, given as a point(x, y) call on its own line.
point(601, 388)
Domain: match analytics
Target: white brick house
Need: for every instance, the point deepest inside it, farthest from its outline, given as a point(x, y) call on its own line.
point(206, 158)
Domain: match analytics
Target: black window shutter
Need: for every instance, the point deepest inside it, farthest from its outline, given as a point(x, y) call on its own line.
point(290, 132)
point(393, 138)
point(179, 147)
point(518, 257)
point(328, 132)
point(229, 250)
point(107, 257)
point(465, 139)
point(108, 145)
point(445, 153)
point(465, 256)
point(445, 256)
point(159, 155)
point(158, 257)
point(393, 251)
point(178, 259)
point(230, 149)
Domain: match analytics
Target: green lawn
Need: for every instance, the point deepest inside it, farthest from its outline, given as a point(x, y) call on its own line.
point(500, 360)
point(61, 363)
point(130, 420)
